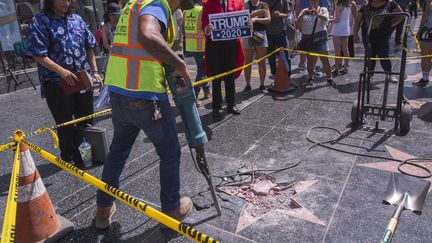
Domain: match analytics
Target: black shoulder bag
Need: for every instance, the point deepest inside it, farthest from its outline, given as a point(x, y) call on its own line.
point(257, 38)
point(320, 35)
point(425, 34)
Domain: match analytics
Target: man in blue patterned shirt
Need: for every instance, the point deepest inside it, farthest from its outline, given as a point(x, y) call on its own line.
point(61, 44)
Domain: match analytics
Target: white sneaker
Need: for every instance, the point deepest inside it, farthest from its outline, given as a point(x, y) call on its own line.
point(392, 79)
point(318, 74)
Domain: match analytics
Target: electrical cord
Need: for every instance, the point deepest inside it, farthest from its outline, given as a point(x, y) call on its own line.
point(411, 162)
point(334, 141)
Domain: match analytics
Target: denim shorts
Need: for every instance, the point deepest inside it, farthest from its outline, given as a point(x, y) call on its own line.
point(319, 47)
point(248, 43)
point(290, 34)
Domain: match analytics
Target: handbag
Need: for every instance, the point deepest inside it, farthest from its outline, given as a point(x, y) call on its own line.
point(320, 35)
point(425, 34)
point(257, 37)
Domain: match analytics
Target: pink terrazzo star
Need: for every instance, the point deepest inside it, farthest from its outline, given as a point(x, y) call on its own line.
point(392, 165)
point(414, 77)
point(279, 199)
point(413, 61)
point(420, 108)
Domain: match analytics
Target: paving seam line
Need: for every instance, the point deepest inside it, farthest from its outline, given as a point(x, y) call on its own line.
point(88, 185)
point(350, 171)
point(272, 128)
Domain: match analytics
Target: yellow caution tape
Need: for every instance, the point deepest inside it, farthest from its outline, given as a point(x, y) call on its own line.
point(126, 198)
point(108, 111)
point(206, 80)
point(339, 57)
point(97, 114)
point(53, 135)
point(8, 232)
point(6, 146)
point(417, 43)
point(354, 58)
point(209, 79)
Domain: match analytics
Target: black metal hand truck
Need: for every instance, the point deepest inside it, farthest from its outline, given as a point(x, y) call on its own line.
point(362, 108)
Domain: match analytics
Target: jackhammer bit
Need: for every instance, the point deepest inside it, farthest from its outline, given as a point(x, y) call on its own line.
point(184, 98)
point(202, 165)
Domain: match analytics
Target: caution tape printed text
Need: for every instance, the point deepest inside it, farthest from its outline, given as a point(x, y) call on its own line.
point(126, 198)
point(9, 223)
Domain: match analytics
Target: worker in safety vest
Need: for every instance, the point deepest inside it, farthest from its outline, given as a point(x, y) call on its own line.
point(195, 46)
point(137, 85)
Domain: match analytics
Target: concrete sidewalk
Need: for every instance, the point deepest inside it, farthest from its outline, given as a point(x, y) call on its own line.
point(329, 196)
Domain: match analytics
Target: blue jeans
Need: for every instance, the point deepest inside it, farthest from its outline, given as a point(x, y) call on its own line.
point(129, 116)
point(199, 60)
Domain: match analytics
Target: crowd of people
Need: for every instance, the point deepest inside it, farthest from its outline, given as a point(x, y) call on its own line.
point(141, 38)
point(306, 25)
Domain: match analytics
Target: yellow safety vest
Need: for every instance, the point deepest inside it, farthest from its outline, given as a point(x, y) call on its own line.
point(130, 66)
point(195, 38)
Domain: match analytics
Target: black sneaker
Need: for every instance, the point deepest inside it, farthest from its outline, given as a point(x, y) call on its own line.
point(247, 89)
point(421, 83)
point(233, 110)
point(331, 82)
point(310, 82)
point(262, 87)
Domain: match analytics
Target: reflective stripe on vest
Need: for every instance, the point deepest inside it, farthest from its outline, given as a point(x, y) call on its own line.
point(130, 66)
point(195, 38)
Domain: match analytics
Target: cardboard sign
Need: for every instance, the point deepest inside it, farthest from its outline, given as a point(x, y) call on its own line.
point(229, 26)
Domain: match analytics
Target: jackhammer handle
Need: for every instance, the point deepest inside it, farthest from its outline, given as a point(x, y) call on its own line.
point(391, 228)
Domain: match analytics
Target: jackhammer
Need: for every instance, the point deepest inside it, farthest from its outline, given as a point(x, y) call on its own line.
point(184, 98)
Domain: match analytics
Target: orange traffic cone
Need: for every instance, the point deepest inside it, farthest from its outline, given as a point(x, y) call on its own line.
point(281, 82)
point(36, 219)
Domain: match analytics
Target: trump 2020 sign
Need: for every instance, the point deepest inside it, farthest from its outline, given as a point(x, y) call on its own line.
point(229, 26)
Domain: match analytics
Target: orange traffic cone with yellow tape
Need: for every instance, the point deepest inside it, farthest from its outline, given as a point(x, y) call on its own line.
point(36, 219)
point(281, 82)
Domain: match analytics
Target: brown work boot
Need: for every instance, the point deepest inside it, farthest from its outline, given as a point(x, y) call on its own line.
point(104, 215)
point(182, 212)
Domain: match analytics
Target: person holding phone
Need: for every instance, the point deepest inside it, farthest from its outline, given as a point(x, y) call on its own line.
point(313, 21)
